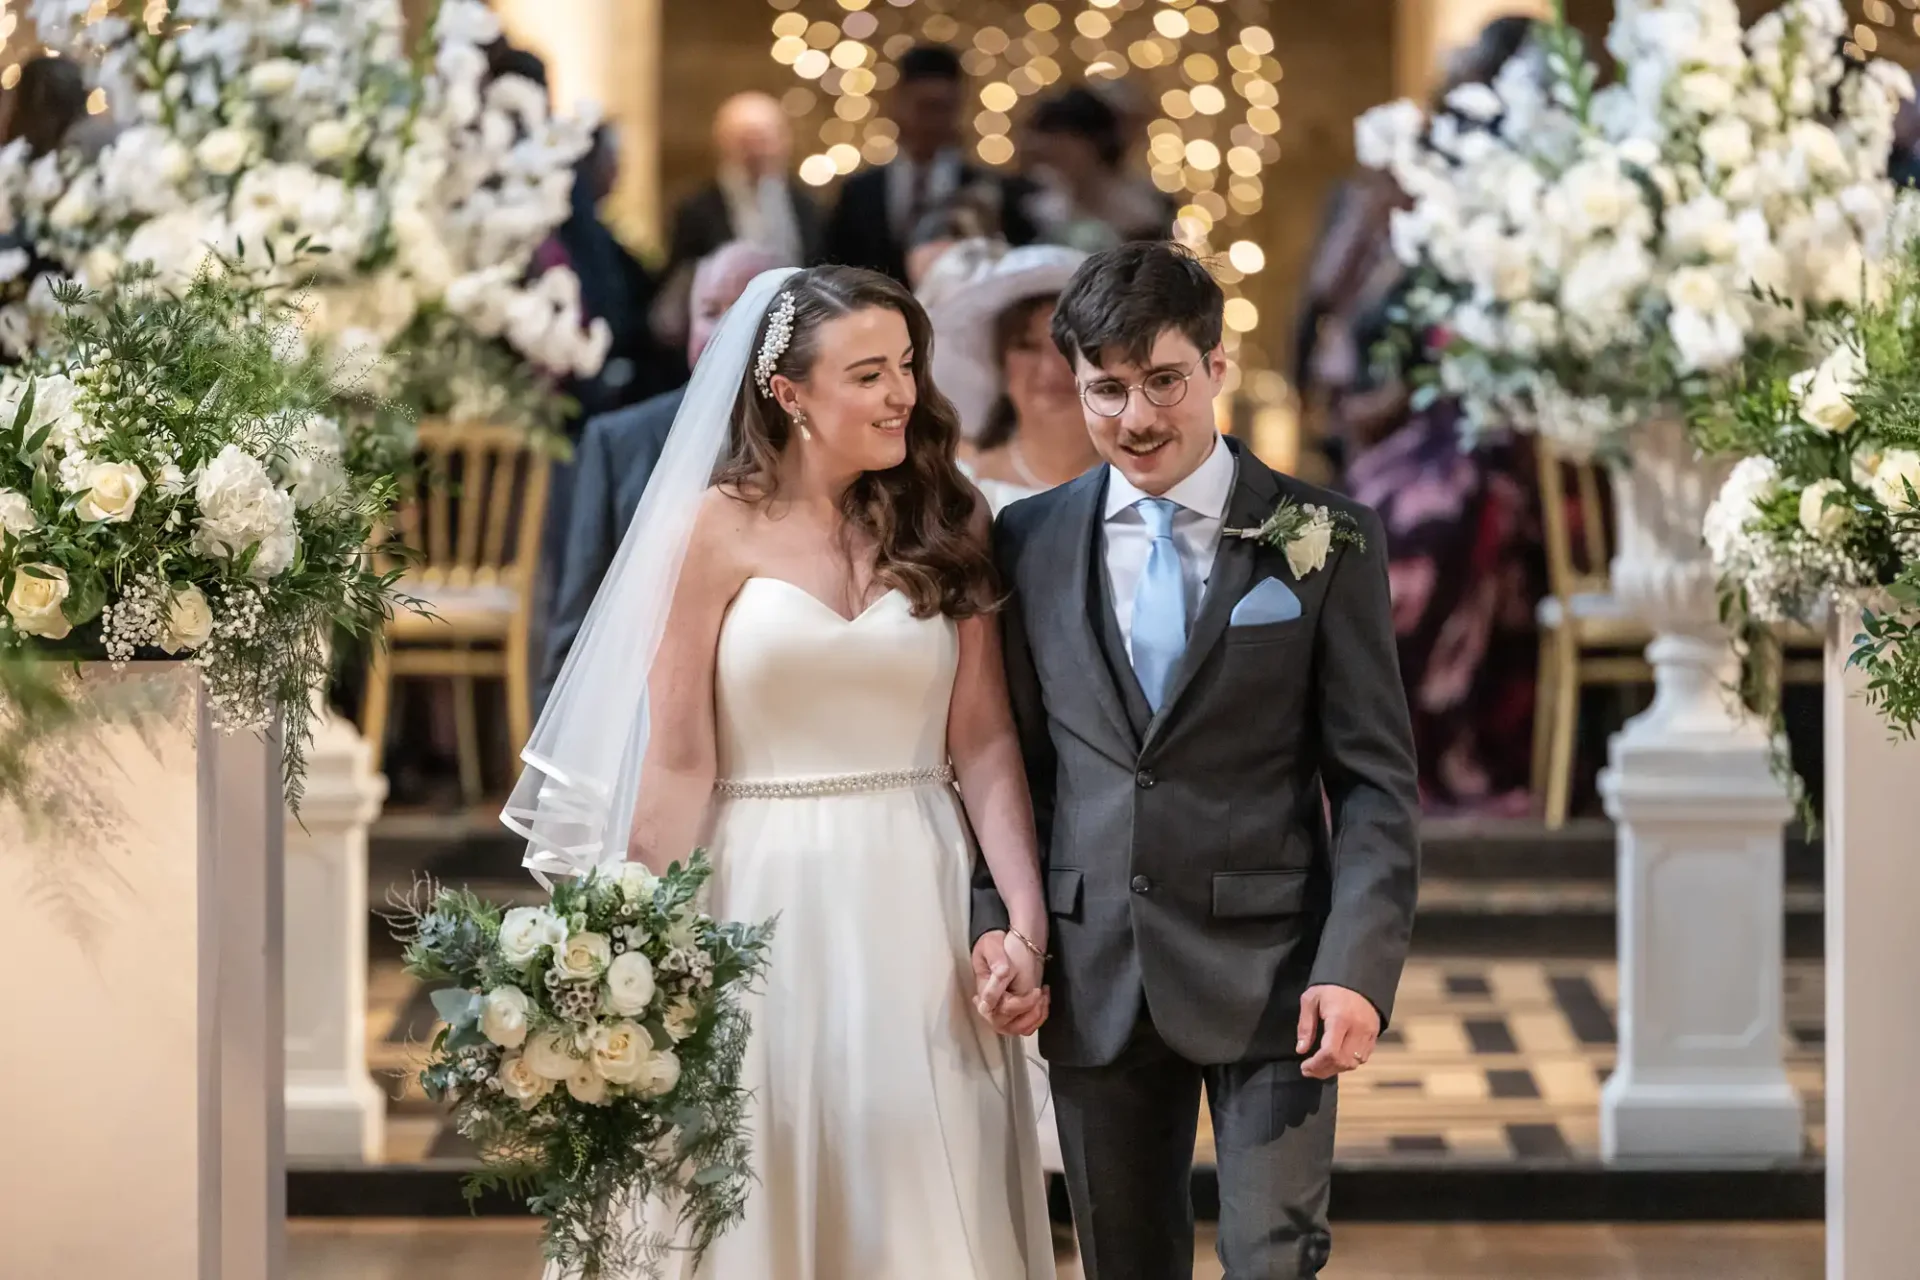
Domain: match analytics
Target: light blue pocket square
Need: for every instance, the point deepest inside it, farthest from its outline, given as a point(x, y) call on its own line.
point(1271, 601)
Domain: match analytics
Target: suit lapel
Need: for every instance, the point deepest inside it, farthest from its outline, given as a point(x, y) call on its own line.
point(1254, 494)
point(1071, 606)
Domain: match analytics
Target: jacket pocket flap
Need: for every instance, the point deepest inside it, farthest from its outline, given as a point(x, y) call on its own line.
point(1239, 894)
point(1063, 890)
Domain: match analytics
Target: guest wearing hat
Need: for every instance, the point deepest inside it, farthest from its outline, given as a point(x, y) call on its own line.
point(994, 358)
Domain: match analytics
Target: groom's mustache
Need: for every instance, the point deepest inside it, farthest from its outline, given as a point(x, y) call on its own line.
point(1143, 442)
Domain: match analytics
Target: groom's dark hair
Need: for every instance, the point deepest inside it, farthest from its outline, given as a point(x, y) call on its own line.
point(1123, 298)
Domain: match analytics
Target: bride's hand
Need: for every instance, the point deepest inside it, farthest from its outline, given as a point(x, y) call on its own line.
point(1008, 985)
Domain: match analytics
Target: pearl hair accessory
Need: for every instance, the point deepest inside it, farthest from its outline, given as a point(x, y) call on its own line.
point(779, 334)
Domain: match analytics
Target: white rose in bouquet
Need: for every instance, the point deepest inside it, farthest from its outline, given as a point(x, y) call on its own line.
point(553, 1055)
point(16, 513)
point(663, 1074)
point(630, 984)
point(637, 883)
point(1898, 468)
point(54, 397)
point(1727, 144)
point(113, 489)
point(189, 621)
point(583, 957)
point(1826, 391)
point(77, 207)
point(224, 151)
point(503, 1016)
point(240, 508)
point(1823, 508)
point(524, 930)
point(34, 603)
point(587, 1087)
point(329, 140)
point(273, 77)
point(522, 1083)
point(622, 1052)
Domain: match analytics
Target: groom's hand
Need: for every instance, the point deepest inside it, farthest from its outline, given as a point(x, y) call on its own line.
point(1347, 1025)
point(1013, 1001)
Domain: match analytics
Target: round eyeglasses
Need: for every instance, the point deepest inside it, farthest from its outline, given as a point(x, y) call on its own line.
point(1163, 388)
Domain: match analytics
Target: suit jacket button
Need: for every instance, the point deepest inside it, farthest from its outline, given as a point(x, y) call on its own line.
point(1142, 885)
point(1143, 779)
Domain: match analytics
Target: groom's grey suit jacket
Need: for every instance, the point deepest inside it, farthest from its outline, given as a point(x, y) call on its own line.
point(1188, 856)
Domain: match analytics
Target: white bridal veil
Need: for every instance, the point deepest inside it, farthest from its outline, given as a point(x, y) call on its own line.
point(574, 800)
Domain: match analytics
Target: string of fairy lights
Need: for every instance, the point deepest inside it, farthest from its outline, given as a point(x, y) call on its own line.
point(1901, 26)
point(1204, 68)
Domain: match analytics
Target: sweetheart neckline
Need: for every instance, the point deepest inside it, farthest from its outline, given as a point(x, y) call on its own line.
point(838, 616)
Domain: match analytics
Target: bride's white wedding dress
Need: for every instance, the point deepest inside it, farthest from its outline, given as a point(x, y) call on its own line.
point(893, 1131)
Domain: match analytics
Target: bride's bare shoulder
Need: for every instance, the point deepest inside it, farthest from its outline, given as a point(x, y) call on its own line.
point(719, 524)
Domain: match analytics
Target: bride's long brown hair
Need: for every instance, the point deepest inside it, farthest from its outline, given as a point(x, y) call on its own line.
point(916, 513)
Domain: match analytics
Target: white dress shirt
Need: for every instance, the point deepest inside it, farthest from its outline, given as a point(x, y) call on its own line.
point(1201, 499)
point(762, 212)
point(942, 180)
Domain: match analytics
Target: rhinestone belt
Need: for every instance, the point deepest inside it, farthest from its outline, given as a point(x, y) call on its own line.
point(844, 784)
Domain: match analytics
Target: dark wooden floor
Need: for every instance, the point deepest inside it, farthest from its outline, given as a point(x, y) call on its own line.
point(509, 1250)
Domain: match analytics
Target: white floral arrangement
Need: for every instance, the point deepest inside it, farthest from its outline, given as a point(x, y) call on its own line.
point(1584, 256)
point(175, 481)
point(1824, 503)
point(592, 1050)
point(267, 130)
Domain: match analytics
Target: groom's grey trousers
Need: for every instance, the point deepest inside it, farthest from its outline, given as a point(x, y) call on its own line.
point(1204, 865)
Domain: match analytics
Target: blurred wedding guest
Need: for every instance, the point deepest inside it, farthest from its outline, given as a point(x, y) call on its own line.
point(615, 287)
point(48, 106)
point(873, 223)
point(1464, 555)
point(754, 196)
point(1086, 198)
point(617, 455)
point(970, 214)
point(995, 359)
point(1904, 165)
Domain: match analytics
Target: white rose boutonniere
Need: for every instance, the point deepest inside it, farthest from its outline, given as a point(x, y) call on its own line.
point(1304, 533)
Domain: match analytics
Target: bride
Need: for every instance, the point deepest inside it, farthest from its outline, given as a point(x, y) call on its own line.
point(794, 659)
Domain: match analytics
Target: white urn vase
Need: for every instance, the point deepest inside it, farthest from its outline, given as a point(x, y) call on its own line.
point(1699, 814)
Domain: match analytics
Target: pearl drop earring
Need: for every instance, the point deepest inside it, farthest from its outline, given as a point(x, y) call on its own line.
point(800, 421)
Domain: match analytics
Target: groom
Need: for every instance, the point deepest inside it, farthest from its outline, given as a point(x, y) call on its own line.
point(1223, 776)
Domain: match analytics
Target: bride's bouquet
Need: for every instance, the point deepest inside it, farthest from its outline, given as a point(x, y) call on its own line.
point(592, 1051)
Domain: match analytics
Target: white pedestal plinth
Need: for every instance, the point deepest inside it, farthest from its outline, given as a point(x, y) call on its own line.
point(334, 1109)
point(142, 1107)
point(1701, 1071)
point(1873, 971)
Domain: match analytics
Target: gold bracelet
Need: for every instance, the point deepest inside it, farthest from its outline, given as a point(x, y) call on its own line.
point(1027, 942)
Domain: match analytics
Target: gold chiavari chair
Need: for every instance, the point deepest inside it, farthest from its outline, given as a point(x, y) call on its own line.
point(1587, 636)
point(473, 517)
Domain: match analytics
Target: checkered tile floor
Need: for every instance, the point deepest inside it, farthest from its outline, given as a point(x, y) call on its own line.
point(1493, 1060)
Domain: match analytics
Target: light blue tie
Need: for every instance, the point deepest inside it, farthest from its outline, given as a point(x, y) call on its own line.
point(1159, 604)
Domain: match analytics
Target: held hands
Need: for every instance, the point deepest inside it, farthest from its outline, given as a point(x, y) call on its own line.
point(1007, 985)
point(1347, 1025)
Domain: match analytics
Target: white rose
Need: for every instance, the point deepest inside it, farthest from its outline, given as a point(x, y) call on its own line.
point(522, 1083)
point(683, 1019)
point(1820, 517)
point(664, 1074)
point(503, 1016)
point(16, 513)
point(1866, 461)
point(172, 482)
point(1706, 93)
point(1898, 468)
point(76, 208)
point(524, 930)
point(630, 984)
point(54, 397)
point(189, 621)
point(582, 957)
point(1706, 339)
point(273, 77)
point(552, 1055)
point(34, 604)
point(1694, 288)
point(1826, 391)
point(622, 1052)
point(329, 139)
point(1308, 549)
point(223, 151)
point(1727, 143)
point(587, 1087)
point(112, 490)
